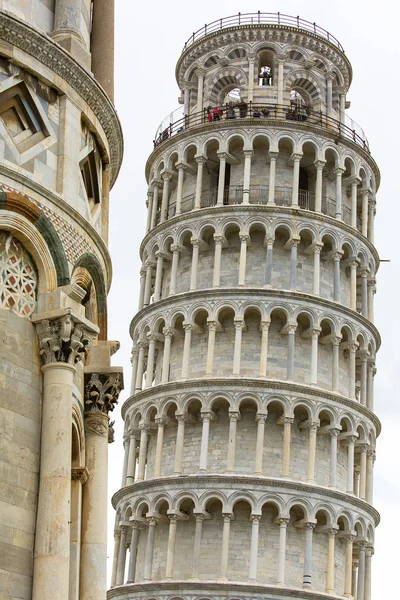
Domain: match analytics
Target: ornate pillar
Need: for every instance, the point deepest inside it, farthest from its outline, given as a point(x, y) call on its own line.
point(336, 257)
point(180, 436)
point(173, 521)
point(292, 244)
point(364, 212)
point(371, 216)
point(63, 341)
point(176, 250)
point(334, 433)
point(363, 469)
point(142, 288)
point(280, 62)
point(200, 86)
point(117, 541)
point(160, 422)
point(264, 348)
point(364, 292)
point(352, 369)
point(354, 183)
point(348, 567)
point(136, 525)
point(251, 58)
point(370, 298)
point(218, 239)
point(312, 446)
point(307, 576)
point(351, 440)
point(314, 355)
point(363, 377)
point(258, 465)
point(134, 363)
point(189, 328)
point(126, 457)
point(361, 570)
point(317, 246)
point(233, 418)
point(330, 570)
point(212, 329)
point(179, 189)
point(282, 550)
point(195, 262)
point(121, 557)
point(329, 79)
point(201, 161)
point(272, 175)
point(338, 171)
point(221, 177)
point(244, 239)
point(197, 544)
point(255, 522)
point(369, 552)
point(79, 476)
point(206, 417)
point(371, 370)
point(144, 431)
point(168, 334)
point(102, 388)
point(246, 176)
point(268, 265)
point(291, 331)
point(140, 369)
point(159, 272)
point(335, 363)
point(227, 517)
point(353, 284)
point(166, 177)
point(148, 561)
point(149, 205)
point(239, 323)
point(295, 185)
point(147, 289)
point(152, 339)
point(156, 186)
point(319, 165)
point(131, 468)
point(287, 434)
point(369, 496)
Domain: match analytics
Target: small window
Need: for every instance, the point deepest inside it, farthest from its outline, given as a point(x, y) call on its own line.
point(20, 118)
point(90, 178)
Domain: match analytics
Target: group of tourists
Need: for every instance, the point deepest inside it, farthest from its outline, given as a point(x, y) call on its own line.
point(231, 111)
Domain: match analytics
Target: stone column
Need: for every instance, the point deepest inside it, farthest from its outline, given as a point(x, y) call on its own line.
point(334, 433)
point(250, 91)
point(371, 216)
point(79, 476)
point(142, 288)
point(102, 389)
point(168, 334)
point(352, 369)
point(152, 339)
point(361, 570)
point(336, 257)
point(189, 328)
point(272, 175)
point(134, 363)
point(144, 432)
point(370, 383)
point(206, 417)
point(176, 250)
point(363, 469)
point(354, 183)
point(238, 346)
point(156, 186)
point(370, 298)
point(221, 177)
point(348, 567)
point(330, 571)
point(126, 457)
point(179, 188)
point(212, 329)
point(159, 272)
point(291, 330)
point(246, 175)
point(295, 186)
point(201, 161)
point(317, 246)
point(186, 97)
point(280, 62)
point(160, 422)
point(233, 418)
point(173, 521)
point(368, 572)
point(307, 576)
point(121, 557)
point(195, 262)
point(369, 496)
point(102, 44)
point(287, 435)
point(244, 239)
point(335, 363)
point(148, 561)
point(342, 105)
point(338, 174)
point(149, 275)
point(180, 436)
point(282, 550)
point(314, 355)
point(130, 472)
point(67, 18)
point(293, 263)
point(258, 465)
point(225, 546)
point(312, 446)
point(166, 177)
point(197, 545)
point(218, 239)
point(363, 377)
point(353, 284)
point(364, 212)
point(117, 540)
point(255, 522)
point(63, 340)
point(268, 265)
point(132, 559)
point(200, 85)
point(350, 464)
point(329, 78)
point(264, 348)
point(140, 369)
point(354, 579)
point(319, 165)
point(364, 292)
point(149, 205)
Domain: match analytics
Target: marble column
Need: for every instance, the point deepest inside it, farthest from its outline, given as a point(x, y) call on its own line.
point(363, 377)
point(353, 284)
point(330, 570)
point(319, 165)
point(144, 432)
point(218, 239)
point(225, 546)
point(246, 175)
point(364, 212)
point(329, 79)
point(255, 525)
point(233, 418)
point(160, 422)
point(363, 469)
point(201, 161)
point(291, 331)
point(371, 216)
point(317, 247)
point(179, 189)
point(212, 329)
point(250, 90)
point(244, 240)
point(148, 561)
point(101, 394)
point(131, 468)
point(102, 44)
point(200, 86)
point(312, 447)
point(268, 264)
point(350, 464)
point(169, 570)
point(117, 541)
point(280, 60)
point(370, 298)
point(159, 274)
point(126, 457)
point(152, 339)
point(195, 263)
point(176, 250)
point(287, 434)
point(140, 368)
point(134, 546)
point(239, 324)
point(282, 550)
point(221, 177)
point(364, 292)
point(197, 545)
point(147, 289)
point(352, 369)
point(293, 263)
point(189, 328)
point(206, 418)
point(264, 325)
point(314, 355)
point(335, 363)
point(369, 495)
point(142, 288)
point(369, 551)
point(307, 576)
point(272, 176)
point(156, 187)
point(258, 463)
point(166, 177)
point(149, 205)
point(361, 570)
point(348, 570)
point(180, 436)
point(121, 557)
point(62, 343)
point(338, 207)
point(134, 363)
point(333, 433)
point(168, 335)
point(295, 185)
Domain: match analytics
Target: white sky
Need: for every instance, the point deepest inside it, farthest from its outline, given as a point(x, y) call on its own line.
point(149, 39)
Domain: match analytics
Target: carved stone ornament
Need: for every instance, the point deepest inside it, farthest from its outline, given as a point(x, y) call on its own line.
point(63, 340)
point(102, 391)
point(80, 474)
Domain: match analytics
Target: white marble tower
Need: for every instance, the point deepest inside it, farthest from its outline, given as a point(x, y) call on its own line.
point(250, 432)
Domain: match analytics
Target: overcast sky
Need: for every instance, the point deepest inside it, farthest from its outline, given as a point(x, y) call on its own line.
point(149, 39)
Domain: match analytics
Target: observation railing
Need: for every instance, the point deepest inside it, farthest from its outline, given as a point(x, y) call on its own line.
point(260, 18)
point(243, 112)
point(233, 195)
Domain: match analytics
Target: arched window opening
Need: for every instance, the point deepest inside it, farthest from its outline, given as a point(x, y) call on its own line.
point(265, 72)
point(299, 109)
point(18, 277)
point(232, 96)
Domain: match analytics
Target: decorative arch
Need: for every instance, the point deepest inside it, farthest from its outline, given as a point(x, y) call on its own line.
point(304, 81)
point(92, 265)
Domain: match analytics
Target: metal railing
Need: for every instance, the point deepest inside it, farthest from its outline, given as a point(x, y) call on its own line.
point(262, 112)
point(258, 194)
point(260, 18)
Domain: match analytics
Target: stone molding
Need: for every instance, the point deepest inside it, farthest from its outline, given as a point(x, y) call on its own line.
point(28, 39)
point(272, 386)
point(63, 336)
point(245, 209)
point(102, 389)
point(81, 474)
point(244, 483)
point(244, 293)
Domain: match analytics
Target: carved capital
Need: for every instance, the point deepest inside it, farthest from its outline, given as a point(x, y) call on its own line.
point(80, 474)
point(176, 248)
point(255, 518)
point(168, 332)
point(102, 389)
point(64, 337)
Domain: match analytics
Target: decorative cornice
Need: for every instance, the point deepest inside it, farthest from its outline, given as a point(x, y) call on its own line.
point(39, 45)
point(216, 293)
point(237, 209)
point(243, 482)
point(270, 385)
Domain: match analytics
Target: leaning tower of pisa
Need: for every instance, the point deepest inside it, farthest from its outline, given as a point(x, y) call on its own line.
point(250, 432)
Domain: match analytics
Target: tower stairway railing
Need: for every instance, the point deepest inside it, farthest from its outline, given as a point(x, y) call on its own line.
point(263, 113)
point(261, 18)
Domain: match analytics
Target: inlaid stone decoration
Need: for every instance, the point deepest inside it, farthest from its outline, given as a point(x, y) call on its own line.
point(18, 277)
